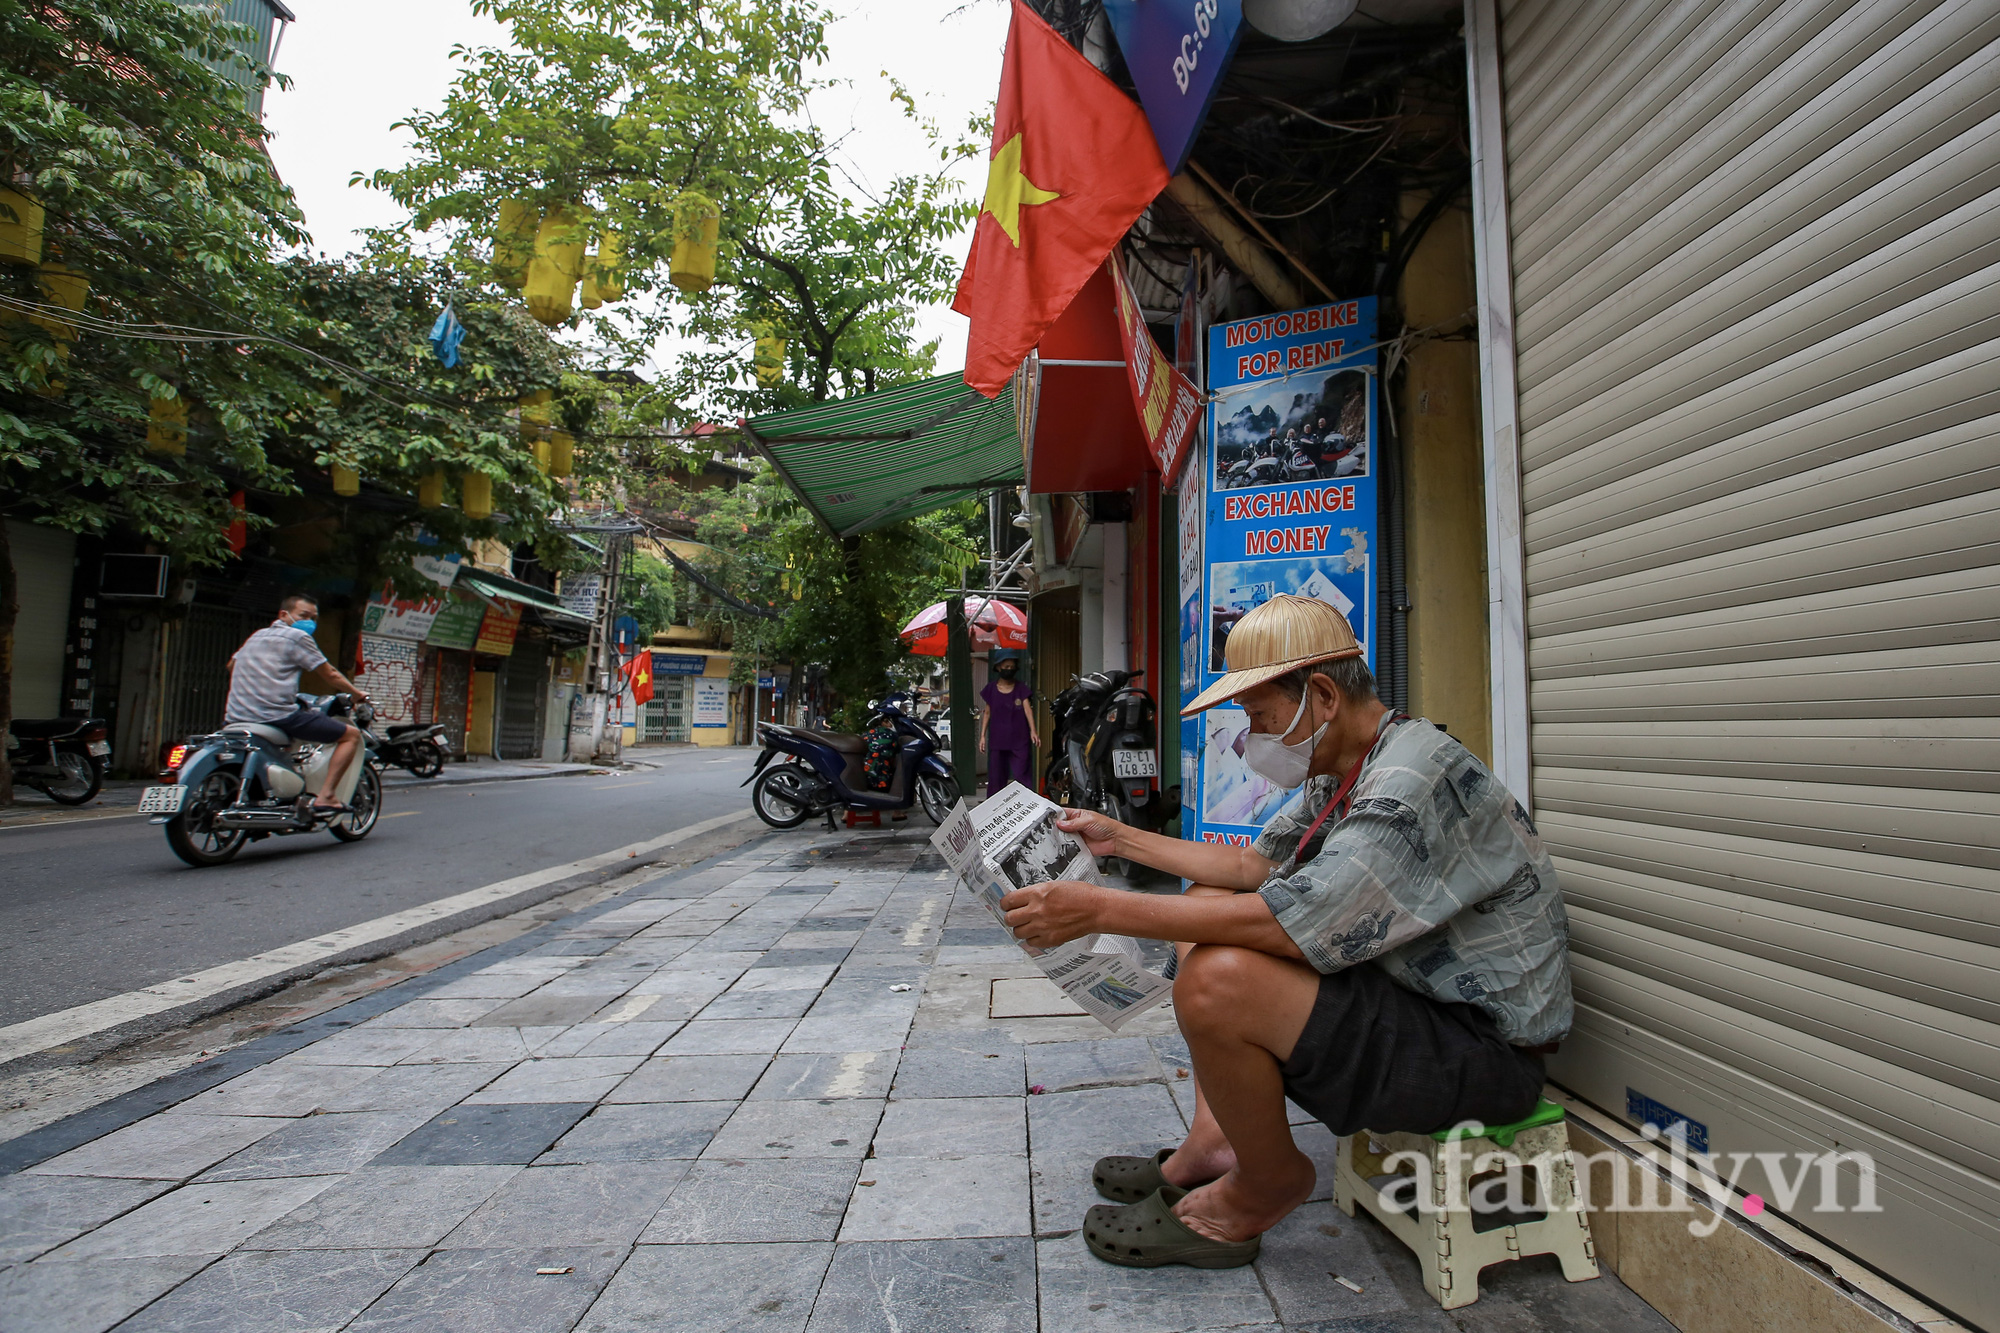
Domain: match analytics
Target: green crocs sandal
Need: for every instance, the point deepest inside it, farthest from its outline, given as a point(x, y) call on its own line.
point(1129, 1179)
point(1148, 1235)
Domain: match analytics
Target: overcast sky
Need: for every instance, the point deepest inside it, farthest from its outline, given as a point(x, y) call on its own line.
point(358, 66)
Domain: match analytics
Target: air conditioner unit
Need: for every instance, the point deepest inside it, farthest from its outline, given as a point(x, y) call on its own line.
point(133, 578)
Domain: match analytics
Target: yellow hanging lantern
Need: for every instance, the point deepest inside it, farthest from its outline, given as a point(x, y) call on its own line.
point(476, 494)
point(166, 425)
point(590, 299)
point(430, 490)
point(514, 243)
point(333, 396)
point(562, 453)
point(536, 412)
point(558, 263)
point(65, 287)
point(20, 237)
point(770, 361)
point(541, 448)
point(608, 268)
point(346, 481)
point(697, 228)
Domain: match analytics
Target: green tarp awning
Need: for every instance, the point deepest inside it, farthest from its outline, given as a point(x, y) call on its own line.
point(491, 585)
point(875, 458)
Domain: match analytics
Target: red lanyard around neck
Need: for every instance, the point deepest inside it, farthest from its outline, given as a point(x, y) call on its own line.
point(1346, 785)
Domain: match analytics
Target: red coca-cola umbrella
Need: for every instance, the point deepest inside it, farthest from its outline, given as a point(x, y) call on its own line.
point(994, 624)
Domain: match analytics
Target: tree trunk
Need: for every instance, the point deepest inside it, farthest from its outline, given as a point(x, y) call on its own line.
point(10, 610)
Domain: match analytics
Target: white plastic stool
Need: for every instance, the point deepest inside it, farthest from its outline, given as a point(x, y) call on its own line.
point(1451, 1252)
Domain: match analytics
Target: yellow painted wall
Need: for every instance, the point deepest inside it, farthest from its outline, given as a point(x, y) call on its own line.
point(1437, 408)
point(718, 665)
point(479, 729)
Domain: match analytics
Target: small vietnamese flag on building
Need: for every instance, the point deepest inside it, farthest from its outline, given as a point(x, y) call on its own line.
point(639, 676)
point(1073, 165)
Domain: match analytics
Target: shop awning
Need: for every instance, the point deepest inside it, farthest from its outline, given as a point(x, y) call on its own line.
point(496, 587)
point(875, 458)
point(1084, 433)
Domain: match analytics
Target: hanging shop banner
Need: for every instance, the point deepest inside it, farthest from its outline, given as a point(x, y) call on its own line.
point(457, 623)
point(394, 616)
point(579, 594)
point(497, 629)
point(1176, 51)
point(711, 701)
point(679, 664)
point(1169, 405)
point(439, 569)
point(1288, 500)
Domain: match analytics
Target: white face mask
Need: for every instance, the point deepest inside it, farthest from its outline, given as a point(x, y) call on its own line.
point(1276, 762)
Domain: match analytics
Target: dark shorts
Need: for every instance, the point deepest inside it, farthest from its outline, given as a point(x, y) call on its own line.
point(1374, 1055)
point(309, 724)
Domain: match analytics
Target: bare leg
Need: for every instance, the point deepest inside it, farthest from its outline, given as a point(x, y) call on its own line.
point(344, 752)
point(1242, 1012)
point(1205, 1154)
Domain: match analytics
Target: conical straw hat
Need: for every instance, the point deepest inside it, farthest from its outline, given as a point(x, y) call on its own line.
point(1280, 636)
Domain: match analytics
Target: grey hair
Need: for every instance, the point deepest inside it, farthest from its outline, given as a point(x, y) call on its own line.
point(1350, 675)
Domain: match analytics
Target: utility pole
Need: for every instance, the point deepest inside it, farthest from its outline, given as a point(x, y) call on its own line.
point(958, 657)
point(611, 732)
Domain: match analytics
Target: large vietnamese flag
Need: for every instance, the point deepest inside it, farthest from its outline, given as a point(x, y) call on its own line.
point(1073, 165)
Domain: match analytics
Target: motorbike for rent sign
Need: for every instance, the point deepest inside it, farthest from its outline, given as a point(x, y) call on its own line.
point(1287, 505)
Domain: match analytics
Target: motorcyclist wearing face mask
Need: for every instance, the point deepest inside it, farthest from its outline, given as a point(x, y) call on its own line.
point(1391, 952)
point(264, 676)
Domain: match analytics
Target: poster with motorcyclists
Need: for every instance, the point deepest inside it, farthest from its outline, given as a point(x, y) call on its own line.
point(1288, 506)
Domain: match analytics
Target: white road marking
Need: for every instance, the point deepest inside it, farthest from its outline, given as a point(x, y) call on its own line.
point(915, 934)
point(630, 1009)
point(39, 1034)
point(853, 1074)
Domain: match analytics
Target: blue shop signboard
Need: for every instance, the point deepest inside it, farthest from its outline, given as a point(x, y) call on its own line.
point(1176, 51)
point(679, 664)
point(1282, 495)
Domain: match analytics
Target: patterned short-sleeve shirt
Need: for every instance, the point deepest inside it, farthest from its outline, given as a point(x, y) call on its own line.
point(1436, 875)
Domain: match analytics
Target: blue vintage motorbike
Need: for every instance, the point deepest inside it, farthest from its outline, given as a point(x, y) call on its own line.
point(249, 781)
point(824, 771)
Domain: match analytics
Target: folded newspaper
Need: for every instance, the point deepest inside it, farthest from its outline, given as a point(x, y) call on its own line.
point(1009, 841)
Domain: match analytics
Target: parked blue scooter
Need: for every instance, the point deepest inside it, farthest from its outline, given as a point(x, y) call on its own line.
point(826, 770)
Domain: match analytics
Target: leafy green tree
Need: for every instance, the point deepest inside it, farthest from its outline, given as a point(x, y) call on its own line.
point(162, 355)
point(156, 192)
point(625, 107)
point(837, 602)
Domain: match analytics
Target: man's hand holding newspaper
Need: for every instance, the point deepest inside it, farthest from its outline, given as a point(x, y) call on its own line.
point(1038, 880)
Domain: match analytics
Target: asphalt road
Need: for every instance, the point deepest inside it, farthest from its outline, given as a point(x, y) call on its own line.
point(101, 907)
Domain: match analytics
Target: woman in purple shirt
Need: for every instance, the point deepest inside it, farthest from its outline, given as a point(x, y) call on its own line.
point(1007, 721)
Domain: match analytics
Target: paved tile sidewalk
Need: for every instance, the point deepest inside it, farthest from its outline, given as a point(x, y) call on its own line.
point(764, 1093)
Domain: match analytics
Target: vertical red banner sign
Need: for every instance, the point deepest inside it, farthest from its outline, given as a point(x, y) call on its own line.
point(1169, 405)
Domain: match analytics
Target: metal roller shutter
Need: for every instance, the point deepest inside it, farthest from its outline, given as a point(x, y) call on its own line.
point(1755, 263)
point(43, 565)
point(524, 686)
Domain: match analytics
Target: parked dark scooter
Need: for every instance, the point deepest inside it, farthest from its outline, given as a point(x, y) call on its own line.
point(420, 747)
point(1106, 752)
point(250, 781)
point(61, 757)
point(825, 771)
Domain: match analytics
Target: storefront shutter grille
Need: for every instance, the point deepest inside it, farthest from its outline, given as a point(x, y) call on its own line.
point(1756, 270)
